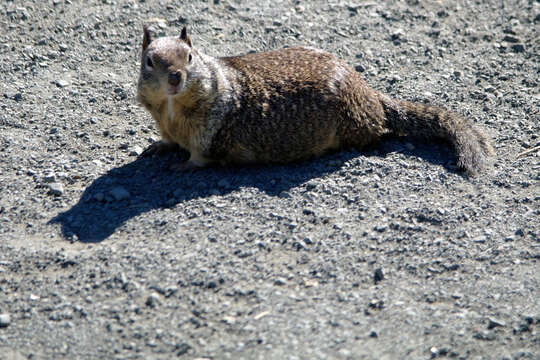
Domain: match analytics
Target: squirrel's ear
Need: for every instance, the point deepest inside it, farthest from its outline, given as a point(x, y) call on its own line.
point(147, 38)
point(184, 36)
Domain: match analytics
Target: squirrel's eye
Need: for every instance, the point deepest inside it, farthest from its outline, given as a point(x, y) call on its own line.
point(149, 62)
point(190, 58)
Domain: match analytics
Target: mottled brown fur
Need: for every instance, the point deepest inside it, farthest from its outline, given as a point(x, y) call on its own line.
point(282, 106)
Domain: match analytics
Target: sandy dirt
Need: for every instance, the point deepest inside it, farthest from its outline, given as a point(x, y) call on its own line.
point(388, 253)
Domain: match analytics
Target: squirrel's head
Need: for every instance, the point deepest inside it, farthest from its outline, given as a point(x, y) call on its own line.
point(165, 66)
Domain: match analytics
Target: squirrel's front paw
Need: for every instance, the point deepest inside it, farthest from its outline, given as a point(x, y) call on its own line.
point(159, 148)
point(195, 162)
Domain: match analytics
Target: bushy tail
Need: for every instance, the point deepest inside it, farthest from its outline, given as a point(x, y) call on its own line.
point(426, 122)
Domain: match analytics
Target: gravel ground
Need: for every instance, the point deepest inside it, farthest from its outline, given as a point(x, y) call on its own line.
point(383, 254)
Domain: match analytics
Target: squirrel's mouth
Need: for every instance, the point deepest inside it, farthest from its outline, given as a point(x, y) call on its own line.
point(173, 90)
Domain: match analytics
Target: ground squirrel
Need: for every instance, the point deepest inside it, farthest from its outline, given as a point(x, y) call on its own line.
point(280, 106)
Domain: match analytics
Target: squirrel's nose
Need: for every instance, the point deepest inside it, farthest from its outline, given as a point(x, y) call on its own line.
point(174, 79)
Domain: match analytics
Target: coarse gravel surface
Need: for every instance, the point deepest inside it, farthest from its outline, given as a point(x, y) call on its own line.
point(387, 253)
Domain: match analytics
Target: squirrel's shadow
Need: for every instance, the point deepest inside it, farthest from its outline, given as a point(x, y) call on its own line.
point(148, 183)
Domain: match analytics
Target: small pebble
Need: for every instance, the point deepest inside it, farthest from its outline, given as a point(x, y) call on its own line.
point(484, 335)
point(518, 48)
point(397, 34)
point(378, 276)
point(360, 68)
point(284, 195)
point(492, 323)
point(121, 93)
point(480, 239)
point(61, 83)
point(394, 79)
point(5, 320)
point(182, 349)
point(511, 39)
point(119, 193)
point(153, 300)
point(135, 151)
point(56, 189)
point(49, 178)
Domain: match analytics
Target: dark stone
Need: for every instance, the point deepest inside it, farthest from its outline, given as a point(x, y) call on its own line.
point(378, 276)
